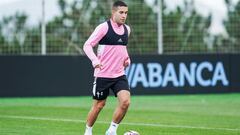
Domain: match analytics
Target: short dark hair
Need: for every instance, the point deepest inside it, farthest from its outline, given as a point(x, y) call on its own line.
point(119, 3)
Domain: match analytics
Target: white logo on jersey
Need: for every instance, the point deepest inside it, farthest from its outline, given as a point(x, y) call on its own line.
point(120, 40)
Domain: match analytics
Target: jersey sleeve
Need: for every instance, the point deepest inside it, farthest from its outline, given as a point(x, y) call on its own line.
point(99, 32)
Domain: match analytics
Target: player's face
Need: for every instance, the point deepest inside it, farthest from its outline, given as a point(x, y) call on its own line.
point(120, 14)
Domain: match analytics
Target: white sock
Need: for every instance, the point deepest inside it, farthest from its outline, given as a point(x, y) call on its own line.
point(88, 130)
point(113, 127)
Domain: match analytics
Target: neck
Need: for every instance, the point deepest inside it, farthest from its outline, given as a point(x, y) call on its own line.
point(116, 22)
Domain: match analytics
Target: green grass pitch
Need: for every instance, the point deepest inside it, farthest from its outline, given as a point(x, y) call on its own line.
point(149, 115)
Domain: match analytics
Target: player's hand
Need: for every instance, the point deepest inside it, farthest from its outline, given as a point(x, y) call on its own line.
point(126, 62)
point(98, 66)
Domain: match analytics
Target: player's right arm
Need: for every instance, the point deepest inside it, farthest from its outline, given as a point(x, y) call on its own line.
point(92, 41)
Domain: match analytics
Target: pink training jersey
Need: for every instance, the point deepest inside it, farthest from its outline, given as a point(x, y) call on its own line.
point(111, 57)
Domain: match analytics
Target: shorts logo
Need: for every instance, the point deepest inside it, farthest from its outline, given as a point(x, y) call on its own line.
point(99, 94)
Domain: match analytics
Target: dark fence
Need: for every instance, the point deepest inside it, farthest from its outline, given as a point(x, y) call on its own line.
point(25, 76)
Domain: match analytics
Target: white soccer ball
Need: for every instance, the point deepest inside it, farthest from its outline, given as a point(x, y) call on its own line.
point(131, 132)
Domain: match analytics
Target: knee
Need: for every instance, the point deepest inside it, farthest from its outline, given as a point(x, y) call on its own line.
point(100, 105)
point(125, 104)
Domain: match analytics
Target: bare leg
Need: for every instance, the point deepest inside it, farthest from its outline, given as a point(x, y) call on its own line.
point(95, 110)
point(93, 114)
point(120, 111)
point(123, 104)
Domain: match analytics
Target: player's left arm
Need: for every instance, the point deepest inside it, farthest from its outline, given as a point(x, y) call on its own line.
point(127, 61)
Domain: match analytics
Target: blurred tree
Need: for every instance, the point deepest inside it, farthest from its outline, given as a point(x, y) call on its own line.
point(78, 20)
point(184, 30)
point(232, 43)
point(65, 31)
point(228, 43)
point(13, 33)
point(142, 20)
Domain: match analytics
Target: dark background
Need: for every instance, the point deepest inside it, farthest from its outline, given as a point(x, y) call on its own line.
point(28, 76)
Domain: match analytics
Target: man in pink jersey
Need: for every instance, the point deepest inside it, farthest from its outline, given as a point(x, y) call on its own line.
point(109, 64)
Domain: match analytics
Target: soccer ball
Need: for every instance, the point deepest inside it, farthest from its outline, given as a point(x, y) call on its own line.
point(131, 132)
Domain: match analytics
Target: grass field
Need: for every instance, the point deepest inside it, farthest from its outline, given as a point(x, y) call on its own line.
point(149, 115)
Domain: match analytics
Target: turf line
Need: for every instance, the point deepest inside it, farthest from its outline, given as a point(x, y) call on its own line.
point(124, 123)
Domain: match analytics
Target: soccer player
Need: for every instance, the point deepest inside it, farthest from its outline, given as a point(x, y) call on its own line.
point(111, 60)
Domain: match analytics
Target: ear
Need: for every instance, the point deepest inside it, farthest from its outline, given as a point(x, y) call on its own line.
point(114, 9)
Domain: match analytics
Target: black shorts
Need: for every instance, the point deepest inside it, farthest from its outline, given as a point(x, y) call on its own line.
point(101, 86)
